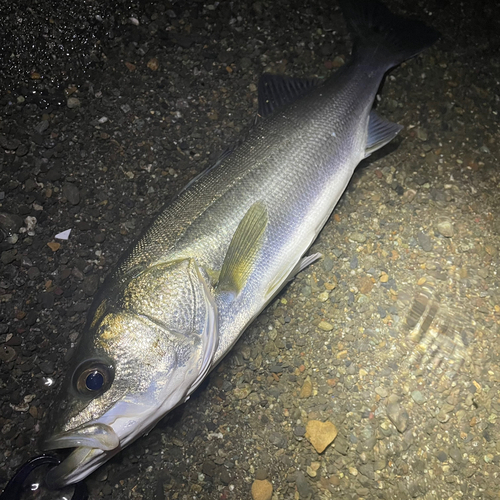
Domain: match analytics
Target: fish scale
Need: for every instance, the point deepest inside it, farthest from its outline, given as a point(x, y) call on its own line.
point(223, 248)
point(295, 148)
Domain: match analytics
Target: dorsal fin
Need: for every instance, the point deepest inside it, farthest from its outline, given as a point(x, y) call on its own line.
point(276, 91)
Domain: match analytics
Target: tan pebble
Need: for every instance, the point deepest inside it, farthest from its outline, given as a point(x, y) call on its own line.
point(306, 389)
point(153, 64)
point(353, 471)
point(320, 434)
point(421, 281)
point(335, 480)
point(310, 471)
point(262, 490)
point(384, 278)
point(54, 246)
point(365, 285)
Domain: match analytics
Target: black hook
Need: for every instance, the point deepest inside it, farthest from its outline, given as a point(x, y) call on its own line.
point(14, 487)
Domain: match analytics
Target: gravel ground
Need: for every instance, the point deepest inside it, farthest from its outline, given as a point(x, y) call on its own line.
point(107, 111)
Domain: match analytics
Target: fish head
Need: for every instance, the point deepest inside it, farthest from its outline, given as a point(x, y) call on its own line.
point(141, 354)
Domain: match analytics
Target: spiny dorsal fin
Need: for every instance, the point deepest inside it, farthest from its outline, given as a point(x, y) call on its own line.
point(243, 249)
point(276, 91)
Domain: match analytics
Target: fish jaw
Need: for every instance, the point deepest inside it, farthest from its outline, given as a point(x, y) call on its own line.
point(99, 436)
point(77, 466)
point(95, 443)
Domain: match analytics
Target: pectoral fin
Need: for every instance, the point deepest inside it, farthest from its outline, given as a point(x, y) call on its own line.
point(243, 249)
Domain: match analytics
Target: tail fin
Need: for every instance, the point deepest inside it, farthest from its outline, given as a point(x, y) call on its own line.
point(387, 38)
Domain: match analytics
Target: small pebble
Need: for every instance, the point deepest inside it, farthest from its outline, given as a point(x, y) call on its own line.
point(424, 241)
point(303, 487)
point(42, 126)
point(418, 397)
point(320, 434)
point(325, 326)
point(71, 193)
point(382, 391)
point(445, 227)
point(306, 390)
point(73, 103)
point(261, 474)
point(398, 416)
point(357, 237)
point(262, 490)
point(8, 256)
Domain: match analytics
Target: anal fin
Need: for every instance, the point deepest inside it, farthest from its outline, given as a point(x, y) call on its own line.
point(288, 273)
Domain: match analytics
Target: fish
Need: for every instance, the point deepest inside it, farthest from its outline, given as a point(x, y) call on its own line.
point(217, 254)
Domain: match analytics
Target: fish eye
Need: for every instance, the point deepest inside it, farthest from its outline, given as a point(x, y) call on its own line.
point(93, 378)
point(94, 381)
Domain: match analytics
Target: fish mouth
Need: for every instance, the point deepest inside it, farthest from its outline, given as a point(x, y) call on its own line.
point(94, 444)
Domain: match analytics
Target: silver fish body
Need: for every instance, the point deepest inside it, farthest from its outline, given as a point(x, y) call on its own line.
point(220, 251)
